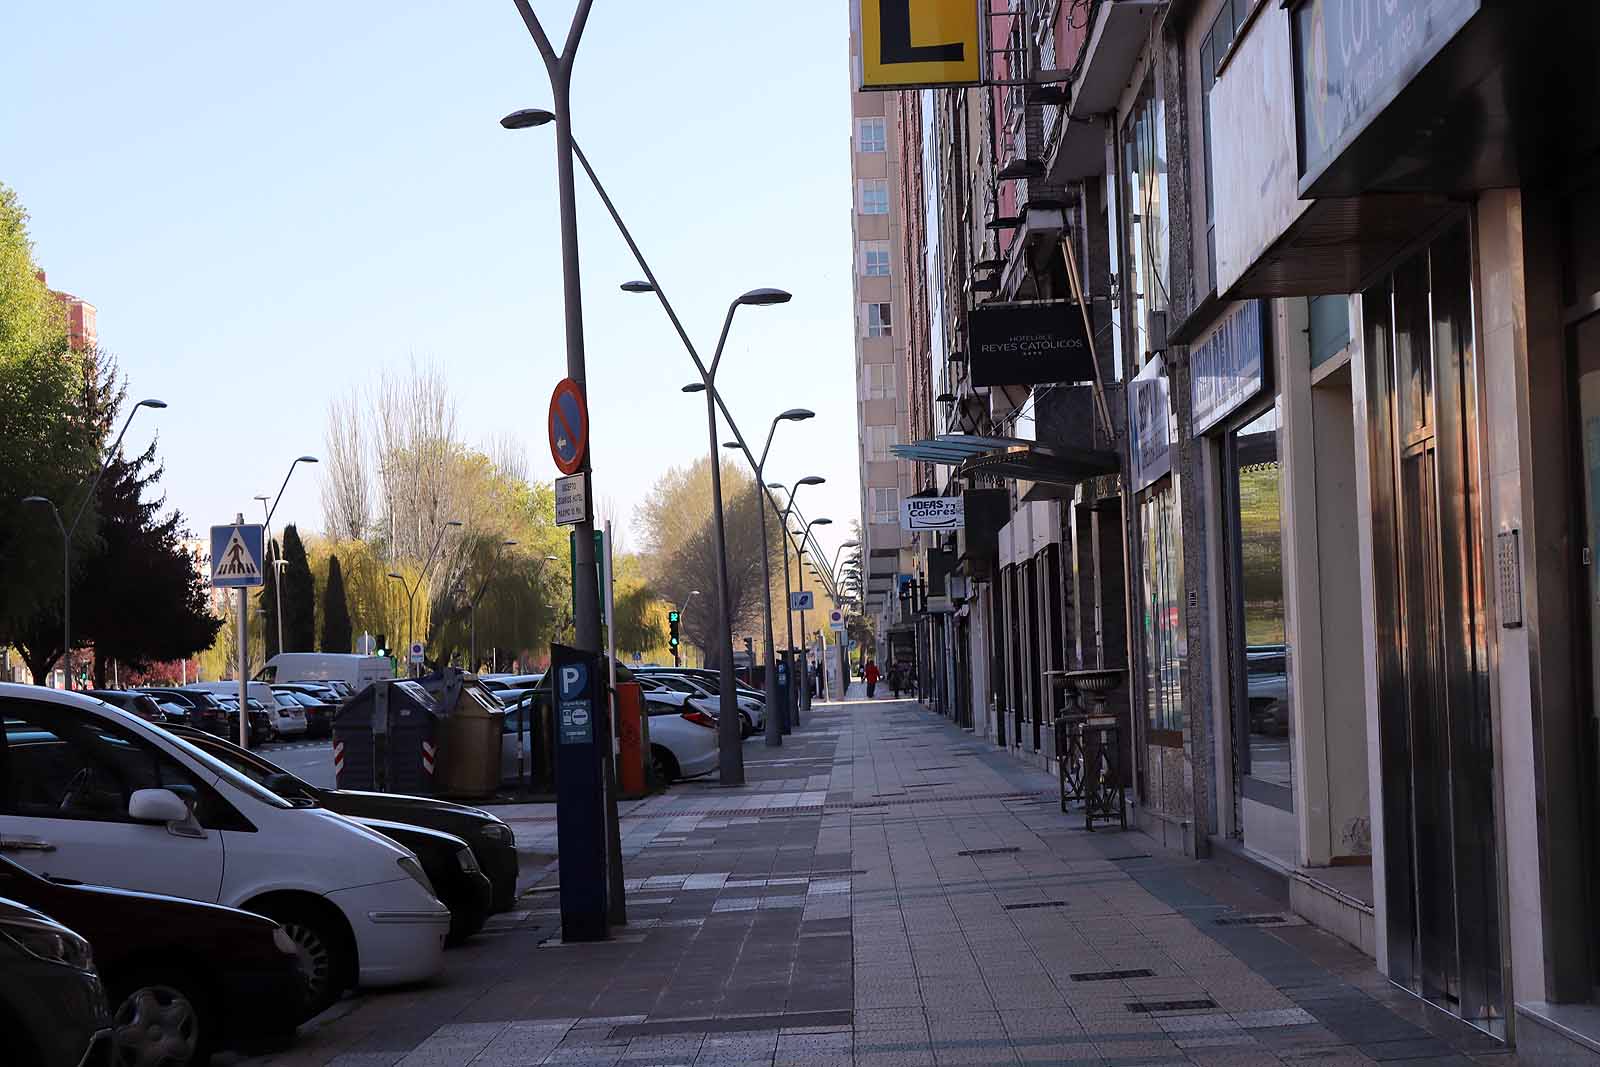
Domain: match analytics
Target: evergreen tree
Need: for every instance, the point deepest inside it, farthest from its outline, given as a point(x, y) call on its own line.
point(268, 603)
point(299, 595)
point(336, 632)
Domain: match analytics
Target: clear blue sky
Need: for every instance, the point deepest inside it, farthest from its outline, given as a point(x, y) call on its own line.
point(269, 204)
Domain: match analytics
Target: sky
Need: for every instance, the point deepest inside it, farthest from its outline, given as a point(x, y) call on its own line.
point(269, 205)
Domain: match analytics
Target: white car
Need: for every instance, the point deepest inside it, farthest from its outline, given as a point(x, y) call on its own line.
point(288, 715)
point(706, 697)
point(683, 737)
point(99, 796)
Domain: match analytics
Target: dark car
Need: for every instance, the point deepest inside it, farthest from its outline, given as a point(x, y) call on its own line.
point(204, 710)
point(141, 704)
point(492, 844)
point(53, 1010)
point(320, 708)
point(183, 978)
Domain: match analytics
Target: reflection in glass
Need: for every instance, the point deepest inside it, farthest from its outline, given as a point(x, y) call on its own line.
point(1258, 493)
point(1165, 644)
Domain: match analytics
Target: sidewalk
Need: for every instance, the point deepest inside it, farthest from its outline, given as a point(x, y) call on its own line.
point(886, 890)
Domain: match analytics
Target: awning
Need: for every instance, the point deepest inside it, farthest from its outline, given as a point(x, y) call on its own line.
point(953, 449)
point(1030, 462)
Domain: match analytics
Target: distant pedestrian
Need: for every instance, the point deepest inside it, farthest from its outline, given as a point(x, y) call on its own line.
point(896, 680)
point(871, 675)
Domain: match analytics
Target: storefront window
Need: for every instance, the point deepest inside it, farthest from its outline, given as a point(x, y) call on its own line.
point(1165, 645)
point(1264, 716)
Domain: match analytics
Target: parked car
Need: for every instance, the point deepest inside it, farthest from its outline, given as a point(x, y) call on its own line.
point(288, 716)
point(97, 795)
point(353, 670)
point(53, 1010)
point(1267, 689)
point(711, 678)
point(318, 713)
point(683, 742)
point(448, 860)
point(201, 710)
point(491, 840)
point(510, 681)
point(140, 704)
point(708, 697)
point(183, 979)
point(260, 721)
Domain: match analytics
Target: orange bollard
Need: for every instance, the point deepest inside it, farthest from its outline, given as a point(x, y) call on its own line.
point(630, 737)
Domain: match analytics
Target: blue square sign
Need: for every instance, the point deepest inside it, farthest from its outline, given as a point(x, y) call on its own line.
point(237, 556)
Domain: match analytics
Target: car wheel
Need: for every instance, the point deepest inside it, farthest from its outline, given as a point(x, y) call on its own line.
point(665, 764)
point(159, 1021)
point(463, 924)
point(747, 726)
point(324, 959)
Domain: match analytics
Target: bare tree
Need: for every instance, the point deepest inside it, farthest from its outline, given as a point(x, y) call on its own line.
point(509, 455)
point(417, 451)
point(347, 470)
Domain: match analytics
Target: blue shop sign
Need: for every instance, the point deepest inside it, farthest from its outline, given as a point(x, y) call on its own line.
point(1150, 420)
point(1229, 367)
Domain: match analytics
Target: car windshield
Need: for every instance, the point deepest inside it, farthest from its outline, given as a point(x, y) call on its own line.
point(258, 772)
point(306, 699)
point(215, 766)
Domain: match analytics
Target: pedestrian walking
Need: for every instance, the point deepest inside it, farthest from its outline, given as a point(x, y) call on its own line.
point(871, 675)
point(896, 680)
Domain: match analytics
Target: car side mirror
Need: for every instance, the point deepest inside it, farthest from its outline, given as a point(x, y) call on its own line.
point(157, 805)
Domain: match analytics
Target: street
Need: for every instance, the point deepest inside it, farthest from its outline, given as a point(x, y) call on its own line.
point(311, 760)
point(885, 891)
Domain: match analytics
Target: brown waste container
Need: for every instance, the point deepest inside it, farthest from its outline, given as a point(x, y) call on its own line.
point(469, 743)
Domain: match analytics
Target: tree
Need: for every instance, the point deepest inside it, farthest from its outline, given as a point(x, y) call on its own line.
point(346, 478)
point(336, 632)
point(267, 600)
point(299, 595)
point(680, 551)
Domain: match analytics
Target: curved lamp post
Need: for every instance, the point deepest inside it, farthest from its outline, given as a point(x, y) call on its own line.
point(277, 584)
point(788, 615)
point(411, 588)
point(805, 659)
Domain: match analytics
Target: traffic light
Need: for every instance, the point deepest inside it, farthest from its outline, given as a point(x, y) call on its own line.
point(383, 646)
point(673, 617)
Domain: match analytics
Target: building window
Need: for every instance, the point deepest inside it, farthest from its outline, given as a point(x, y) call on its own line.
point(879, 440)
point(1145, 169)
point(877, 320)
point(886, 506)
point(875, 259)
point(1166, 645)
point(880, 381)
point(1329, 327)
point(871, 135)
point(875, 196)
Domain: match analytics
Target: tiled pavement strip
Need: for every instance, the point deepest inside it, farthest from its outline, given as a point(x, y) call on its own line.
point(825, 914)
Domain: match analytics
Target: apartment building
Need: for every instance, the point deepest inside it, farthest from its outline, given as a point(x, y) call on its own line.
point(1268, 344)
point(879, 232)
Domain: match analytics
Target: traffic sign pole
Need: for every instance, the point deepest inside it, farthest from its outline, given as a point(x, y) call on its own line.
point(244, 657)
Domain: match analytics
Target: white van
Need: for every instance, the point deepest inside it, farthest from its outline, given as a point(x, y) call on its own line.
point(356, 671)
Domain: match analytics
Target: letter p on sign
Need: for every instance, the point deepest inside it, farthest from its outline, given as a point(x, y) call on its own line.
point(919, 43)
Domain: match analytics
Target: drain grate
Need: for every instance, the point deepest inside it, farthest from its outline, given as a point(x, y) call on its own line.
point(1252, 920)
point(1111, 976)
point(1036, 904)
point(1145, 1007)
point(989, 851)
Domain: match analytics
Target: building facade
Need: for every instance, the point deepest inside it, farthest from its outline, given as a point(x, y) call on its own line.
point(1307, 472)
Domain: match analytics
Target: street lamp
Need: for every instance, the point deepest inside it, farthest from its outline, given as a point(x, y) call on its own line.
point(805, 659)
point(788, 615)
point(774, 725)
point(69, 532)
point(729, 740)
point(411, 588)
point(277, 584)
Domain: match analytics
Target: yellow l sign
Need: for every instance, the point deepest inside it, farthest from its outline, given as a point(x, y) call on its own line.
point(913, 43)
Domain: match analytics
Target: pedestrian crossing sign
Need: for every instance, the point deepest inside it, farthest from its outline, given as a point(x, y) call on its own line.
point(236, 556)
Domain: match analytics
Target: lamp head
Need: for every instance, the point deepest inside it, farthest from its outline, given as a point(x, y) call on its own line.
point(37, 500)
point(811, 480)
point(797, 415)
point(638, 287)
point(527, 118)
point(454, 522)
point(695, 387)
point(395, 576)
point(552, 559)
point(306, 459)
point(819, 522)
point(765, 297)
point(732, 444)
point(776, 485)
point(507, 543)
point(263, 497)
point(851, 544)
point(152, 403)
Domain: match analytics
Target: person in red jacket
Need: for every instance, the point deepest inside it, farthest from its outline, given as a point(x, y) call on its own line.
point(871, 675)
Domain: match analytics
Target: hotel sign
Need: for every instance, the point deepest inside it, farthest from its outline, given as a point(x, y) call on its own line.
point(908, 44)
point(1352, 57)
point(1229, 367)
point(1028, 344)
